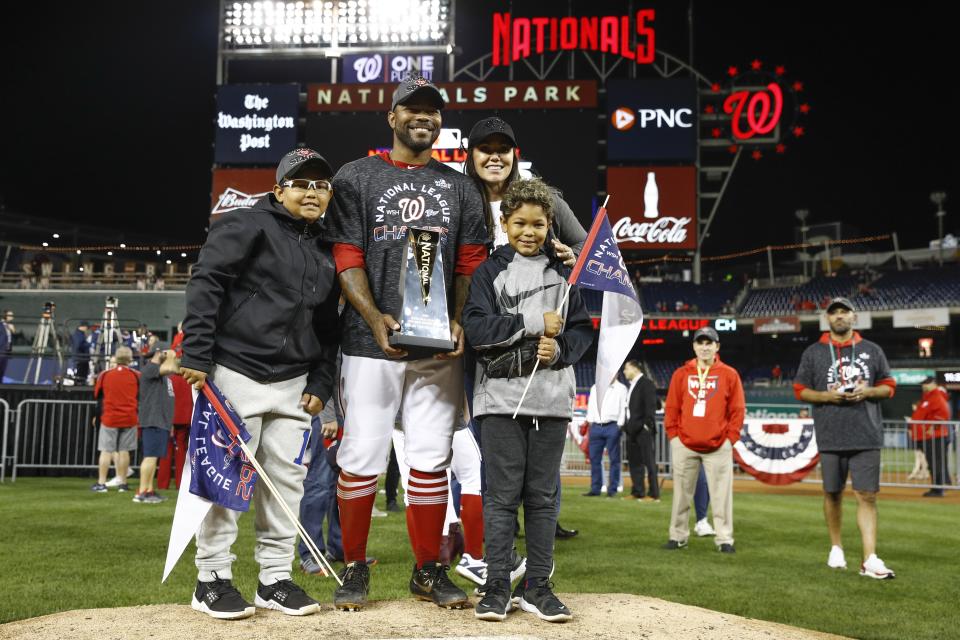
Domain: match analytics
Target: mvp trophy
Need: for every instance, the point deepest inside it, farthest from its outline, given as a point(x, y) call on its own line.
point(424, 323)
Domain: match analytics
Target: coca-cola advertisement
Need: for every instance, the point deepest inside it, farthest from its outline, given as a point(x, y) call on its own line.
point(239, 188)
point(653, 207)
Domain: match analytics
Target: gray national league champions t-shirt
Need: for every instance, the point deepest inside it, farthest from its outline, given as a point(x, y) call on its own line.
point(374, 205)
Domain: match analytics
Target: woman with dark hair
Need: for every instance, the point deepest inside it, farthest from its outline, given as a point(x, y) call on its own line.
point(492, 162)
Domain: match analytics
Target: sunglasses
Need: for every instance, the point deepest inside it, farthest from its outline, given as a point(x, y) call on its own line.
point(322, 186)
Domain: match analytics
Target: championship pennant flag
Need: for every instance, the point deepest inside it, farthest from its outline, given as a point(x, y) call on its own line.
point(600, 267)
point(219, 473)
point(779, 451)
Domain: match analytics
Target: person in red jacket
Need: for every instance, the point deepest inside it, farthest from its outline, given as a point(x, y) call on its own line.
point(933, 437)
point(703, 415)
point(116, 392)
point(182, 414)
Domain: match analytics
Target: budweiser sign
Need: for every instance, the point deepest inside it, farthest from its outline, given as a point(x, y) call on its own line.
point(653, 207)
point(238, 188)
point(233, 199)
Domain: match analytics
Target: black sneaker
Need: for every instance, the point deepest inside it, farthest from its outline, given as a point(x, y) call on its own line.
point(220, 599)
point(352, 594)
point(431, 583)
point(673, 545)
point(538, 598)
point(518, 593)
point(495, 603)
point(285, 596)
point(563, 534)
point(726, 547)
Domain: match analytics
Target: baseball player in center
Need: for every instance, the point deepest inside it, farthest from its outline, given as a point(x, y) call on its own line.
point(376, 199)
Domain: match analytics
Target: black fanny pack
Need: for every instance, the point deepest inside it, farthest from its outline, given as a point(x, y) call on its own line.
point(510, 362)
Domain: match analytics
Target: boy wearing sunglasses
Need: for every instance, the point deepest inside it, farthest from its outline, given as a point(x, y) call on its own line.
point(262, 323)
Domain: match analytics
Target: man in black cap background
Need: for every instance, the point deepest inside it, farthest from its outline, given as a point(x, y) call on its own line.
point(703, 414)
point(262, 323)
point(378, 198)
point(845, 377)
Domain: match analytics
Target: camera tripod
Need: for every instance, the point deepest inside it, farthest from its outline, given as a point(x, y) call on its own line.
point(46, 331)
point(109, 338)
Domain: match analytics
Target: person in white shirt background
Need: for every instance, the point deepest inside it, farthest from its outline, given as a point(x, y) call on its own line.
point(605, 423)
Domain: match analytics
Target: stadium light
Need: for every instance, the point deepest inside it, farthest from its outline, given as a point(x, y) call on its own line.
point(272, 27)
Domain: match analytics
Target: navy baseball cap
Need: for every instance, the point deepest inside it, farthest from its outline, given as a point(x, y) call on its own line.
point(706, 332)
point(488, 127)
point(417, 85)
point(840, 302)
point(297, 159)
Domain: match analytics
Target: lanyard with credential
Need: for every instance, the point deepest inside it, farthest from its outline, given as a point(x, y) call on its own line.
point(702, 377)
point(837, 360)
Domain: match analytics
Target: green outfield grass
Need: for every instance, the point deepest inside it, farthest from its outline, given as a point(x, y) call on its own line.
point(64, 547)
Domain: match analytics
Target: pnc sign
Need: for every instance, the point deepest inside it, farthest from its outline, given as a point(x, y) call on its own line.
point(515, 38)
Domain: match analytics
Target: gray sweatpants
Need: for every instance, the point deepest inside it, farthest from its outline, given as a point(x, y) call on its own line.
point(522, 459)
point(279, 429)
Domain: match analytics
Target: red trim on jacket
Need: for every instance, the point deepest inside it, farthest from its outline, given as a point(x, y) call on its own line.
point(348, 256)
point(857, 338)
point(798, 389)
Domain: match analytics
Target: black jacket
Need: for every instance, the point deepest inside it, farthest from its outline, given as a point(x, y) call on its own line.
point(643, 409)
point(262, 299)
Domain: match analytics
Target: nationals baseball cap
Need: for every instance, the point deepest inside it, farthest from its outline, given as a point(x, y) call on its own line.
point(417, 85)
point(488, 127)
point(706, 332)
point(300, 158)
point(840, 302)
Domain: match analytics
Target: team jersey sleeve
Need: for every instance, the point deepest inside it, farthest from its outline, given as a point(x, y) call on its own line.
point(804, 378)
point(884, 376)
point(345, 222)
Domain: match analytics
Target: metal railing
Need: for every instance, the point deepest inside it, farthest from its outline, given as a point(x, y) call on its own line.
point(56, 434)
point(897, 460)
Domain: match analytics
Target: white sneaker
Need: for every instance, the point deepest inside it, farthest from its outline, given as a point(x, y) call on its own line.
point(836, 559)
point(873, 567)
point(114, 482)
point(376, 513)
point(472, 569)
point(703, 528)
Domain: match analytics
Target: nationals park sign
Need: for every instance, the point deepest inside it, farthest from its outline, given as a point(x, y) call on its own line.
point(541, 94)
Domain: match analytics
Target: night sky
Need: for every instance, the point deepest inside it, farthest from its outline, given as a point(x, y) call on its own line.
point(108, 112)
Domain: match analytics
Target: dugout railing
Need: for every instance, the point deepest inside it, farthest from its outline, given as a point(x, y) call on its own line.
point(897, 461)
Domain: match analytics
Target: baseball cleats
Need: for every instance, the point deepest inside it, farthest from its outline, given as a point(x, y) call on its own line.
point(873, 567)
point(673, 545)
point(220, 599)
point(836, 559)
point(431, 583)
point(472, 569)
point(287, 597)
point(539, 598)
point(704, 529)
point(352, 594)
point(495, 603)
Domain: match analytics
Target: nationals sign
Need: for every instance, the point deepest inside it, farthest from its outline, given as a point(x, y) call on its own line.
point(779, 451)
point(653, 207)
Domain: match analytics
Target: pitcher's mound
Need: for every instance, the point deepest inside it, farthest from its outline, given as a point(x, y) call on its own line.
point(596, 617)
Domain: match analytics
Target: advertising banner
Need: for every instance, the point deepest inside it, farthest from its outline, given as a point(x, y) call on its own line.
point(783, 324)
point(662, 214)
point(652, 120)
point(239, 188)
point(389, 68)
point(920, 318)
point(256, 123)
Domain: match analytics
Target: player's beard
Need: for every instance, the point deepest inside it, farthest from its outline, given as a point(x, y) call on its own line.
point(414, 145)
